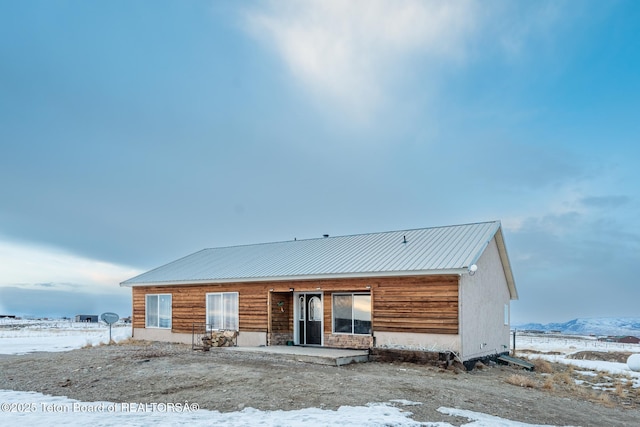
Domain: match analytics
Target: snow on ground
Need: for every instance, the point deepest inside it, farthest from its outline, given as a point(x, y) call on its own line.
point(569, 344)
point(566, 346)
point(36, 409)
point(26, 336)
point(593, 365)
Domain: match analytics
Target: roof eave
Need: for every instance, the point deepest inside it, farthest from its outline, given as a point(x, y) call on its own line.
point(506, 265)
point(443, 272)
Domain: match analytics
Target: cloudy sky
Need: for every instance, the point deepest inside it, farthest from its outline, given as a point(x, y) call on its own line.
point(134, 133)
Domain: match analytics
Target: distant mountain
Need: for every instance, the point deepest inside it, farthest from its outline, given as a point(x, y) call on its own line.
point(597, 326)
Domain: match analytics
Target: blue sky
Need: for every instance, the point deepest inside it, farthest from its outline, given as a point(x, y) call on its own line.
point(134, 133)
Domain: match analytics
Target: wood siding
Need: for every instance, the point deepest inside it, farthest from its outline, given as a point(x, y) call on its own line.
point(189, 305)
point(281, 315)
point(426, 304)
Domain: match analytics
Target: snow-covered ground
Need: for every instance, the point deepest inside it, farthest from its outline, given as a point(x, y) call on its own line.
point(559, 347)
point(27, 336)
point(35, 409)
point(569, 344)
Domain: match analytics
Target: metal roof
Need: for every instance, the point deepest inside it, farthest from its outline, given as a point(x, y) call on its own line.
point(438, 250)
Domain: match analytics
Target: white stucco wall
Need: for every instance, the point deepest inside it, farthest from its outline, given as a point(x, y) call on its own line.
point(245, 339)
point(416, 341)
point(482, 307)
point(157, 334)
point(252, 339)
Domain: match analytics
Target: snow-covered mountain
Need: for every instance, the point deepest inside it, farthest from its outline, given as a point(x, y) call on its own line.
point(598, 326)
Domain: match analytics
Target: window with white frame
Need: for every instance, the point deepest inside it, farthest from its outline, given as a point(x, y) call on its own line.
point(158, 311)
point(222, 310)
point(352, 314)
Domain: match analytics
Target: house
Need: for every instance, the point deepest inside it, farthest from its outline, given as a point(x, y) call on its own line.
point(623, 339)
point(628, 339)
point(441, 289)
point(88, 318)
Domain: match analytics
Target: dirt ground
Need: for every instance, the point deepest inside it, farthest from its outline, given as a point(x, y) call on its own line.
point(223, 380)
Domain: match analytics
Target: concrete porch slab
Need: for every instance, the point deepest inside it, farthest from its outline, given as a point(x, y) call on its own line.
point(318, 355)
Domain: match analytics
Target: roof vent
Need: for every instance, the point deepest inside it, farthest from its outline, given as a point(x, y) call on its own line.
point(325, 235)
point(404, 239)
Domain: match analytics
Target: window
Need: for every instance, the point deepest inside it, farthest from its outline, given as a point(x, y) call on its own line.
point(158, 311)
point(222, 310)
point(352, 313)
point(506, 314)
point(315, 309)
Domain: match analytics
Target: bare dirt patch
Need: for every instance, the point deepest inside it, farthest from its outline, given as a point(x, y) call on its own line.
point(229, 381)
point(606, 356)
point(525, 351)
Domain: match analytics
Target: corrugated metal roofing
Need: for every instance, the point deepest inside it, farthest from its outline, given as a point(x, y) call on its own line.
point(437, 250)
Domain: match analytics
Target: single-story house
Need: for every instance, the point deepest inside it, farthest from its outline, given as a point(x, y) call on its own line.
point(440, 289)
point(628, 339)
point(624, 339)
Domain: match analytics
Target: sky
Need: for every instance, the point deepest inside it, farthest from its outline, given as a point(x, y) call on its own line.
point(135, 133)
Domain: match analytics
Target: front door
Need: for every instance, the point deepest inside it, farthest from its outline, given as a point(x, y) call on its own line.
point(310, 319)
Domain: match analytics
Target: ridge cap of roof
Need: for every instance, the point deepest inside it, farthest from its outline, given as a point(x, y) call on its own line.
point(309, 239)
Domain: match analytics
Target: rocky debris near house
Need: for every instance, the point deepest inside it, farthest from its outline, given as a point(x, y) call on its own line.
point(219, 339)
point(391, 355)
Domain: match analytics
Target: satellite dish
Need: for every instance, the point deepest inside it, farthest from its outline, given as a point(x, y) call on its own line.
point(109, 318)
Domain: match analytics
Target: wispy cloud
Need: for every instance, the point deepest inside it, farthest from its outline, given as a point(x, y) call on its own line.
point(605, 201)
point(518, 23)
point(343, 52)
point(32, 266)
point(348, 54)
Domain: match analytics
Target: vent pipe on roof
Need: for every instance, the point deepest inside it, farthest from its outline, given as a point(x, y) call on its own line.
point(404, 239)
point(325, 235)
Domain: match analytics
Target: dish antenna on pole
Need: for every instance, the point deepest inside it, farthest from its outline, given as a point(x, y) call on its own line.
point(109, 319)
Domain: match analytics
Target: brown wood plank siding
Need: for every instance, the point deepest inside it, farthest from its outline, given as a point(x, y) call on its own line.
point(427, 304)
point(281, 315)
point(327, 304)
point(138, 307)
point(189, 305)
